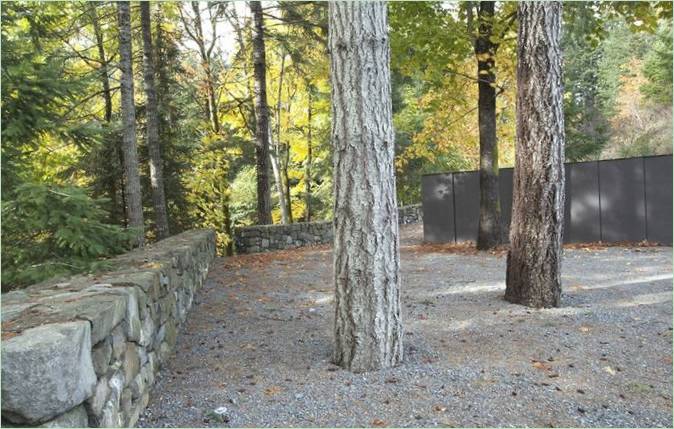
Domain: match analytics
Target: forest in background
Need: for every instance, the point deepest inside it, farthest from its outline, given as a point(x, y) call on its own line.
point(63, 205)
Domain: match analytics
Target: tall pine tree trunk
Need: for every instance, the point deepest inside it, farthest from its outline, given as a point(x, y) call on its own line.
point(535, 256)
point(308, 161)
point(261, 116)
point(132, 190)
point(152, 114)
point(489, 226)
point(368, 326)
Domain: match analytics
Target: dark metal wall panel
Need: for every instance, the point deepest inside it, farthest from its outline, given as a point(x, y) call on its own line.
point(567, 203)
point(583, 223)
point(614, 200)
point(658, 170)
point(621, 193)
point(467, 201)
point(438, 208)
point(505, 184)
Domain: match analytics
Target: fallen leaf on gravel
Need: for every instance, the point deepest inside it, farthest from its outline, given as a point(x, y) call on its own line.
point(6, 335)
point(378, 423)
point(272, 390)
point(541, 365)
point(609, 370)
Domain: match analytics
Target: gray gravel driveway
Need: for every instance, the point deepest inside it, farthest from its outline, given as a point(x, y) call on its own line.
point(256, 346)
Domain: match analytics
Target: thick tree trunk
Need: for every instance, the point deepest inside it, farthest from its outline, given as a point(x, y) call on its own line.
point(489, 229)
point(132, 190)
point(261, 116)
point(308, 161)
point(535, 256)
point(152, 114)
point(368, 326)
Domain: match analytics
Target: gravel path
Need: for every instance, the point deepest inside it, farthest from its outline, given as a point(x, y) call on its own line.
point(258, 343)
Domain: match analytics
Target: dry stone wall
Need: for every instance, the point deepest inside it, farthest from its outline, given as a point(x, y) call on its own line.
point(265, 238)
point(85, 351)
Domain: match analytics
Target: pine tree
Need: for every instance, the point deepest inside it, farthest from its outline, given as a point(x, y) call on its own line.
point(368, 327)
point(134, 202)
point(533, 274)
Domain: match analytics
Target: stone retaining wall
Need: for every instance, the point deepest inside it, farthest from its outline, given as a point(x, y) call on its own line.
point(410, 214)
point(85, 351)
point(265, 238)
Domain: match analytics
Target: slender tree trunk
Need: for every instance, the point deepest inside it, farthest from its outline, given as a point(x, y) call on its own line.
point(105, 79)
point(489, 229)
point(286, 181)
point(535, 256)
point(134, 202)
point(278, 154)
point(248, 115)
point(211, 102)
point(286, 162)
point(153, 145)
point(261, 116)
point(368, 327)
point(113, 151)
point(278, 181)
point(308, 161)
point(226, 218)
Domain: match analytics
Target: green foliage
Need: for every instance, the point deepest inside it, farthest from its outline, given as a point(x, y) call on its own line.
point(604, 46)
point(52, 231)
point(58, 138)
point(209, 191)
point(658, 67)
point(37, 94)
point(244, 198)
point(586, 125)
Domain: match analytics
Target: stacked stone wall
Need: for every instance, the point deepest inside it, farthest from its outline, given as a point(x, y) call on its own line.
point(85, 351)
point(266, 238)
point(410, 214)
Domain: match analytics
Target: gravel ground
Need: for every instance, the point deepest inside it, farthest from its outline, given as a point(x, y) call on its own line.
point(256, 348)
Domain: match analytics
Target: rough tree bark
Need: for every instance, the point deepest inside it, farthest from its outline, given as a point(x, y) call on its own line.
point(368, 326)
point(489, 226)
point(261, 116)
point(534, 259)
point(132, 190)
point(152, 124)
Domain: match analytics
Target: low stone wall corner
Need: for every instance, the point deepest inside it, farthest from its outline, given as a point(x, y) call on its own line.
point(84, 352)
